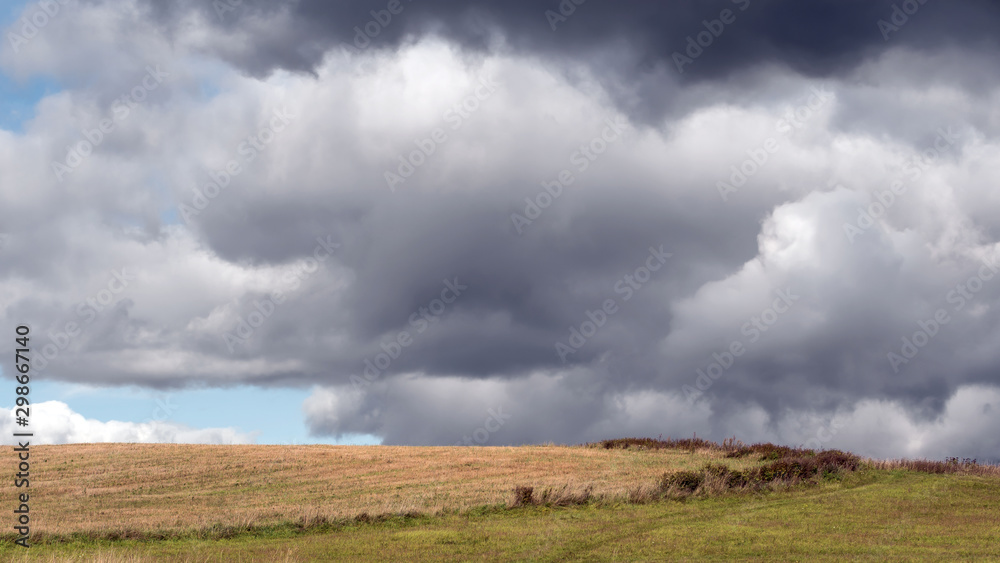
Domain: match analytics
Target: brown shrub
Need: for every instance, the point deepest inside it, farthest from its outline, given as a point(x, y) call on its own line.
point(685, 481)
point(524, 496)
point(768, 451)
point(806, 466)
point(551, 496)
point(728, 477)
point(656, 444)
point(719, 478)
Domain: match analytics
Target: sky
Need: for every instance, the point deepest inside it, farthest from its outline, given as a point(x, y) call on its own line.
point(433, 222)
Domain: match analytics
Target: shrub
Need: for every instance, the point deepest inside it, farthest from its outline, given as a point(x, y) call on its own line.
point(769, 452)
point(729, 478)
point(681, 481)
point(523, 496)
point(738, 479)
point(836, 459)
point(657, 444)
point(807, 466)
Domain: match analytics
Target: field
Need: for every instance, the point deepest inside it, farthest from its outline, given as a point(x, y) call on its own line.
point(132, 502)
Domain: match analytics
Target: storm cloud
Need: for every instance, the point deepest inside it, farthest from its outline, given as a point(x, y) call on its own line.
point(769, 219)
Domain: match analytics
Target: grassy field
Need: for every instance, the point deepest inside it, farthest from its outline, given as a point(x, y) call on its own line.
point(264, 503)
point(126, 488)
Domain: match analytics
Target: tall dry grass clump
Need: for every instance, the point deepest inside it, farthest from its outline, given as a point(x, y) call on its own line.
point(950, 465)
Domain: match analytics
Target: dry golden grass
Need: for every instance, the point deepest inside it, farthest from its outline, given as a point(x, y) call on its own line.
point(928, 466)
point(124, 489)
point(99, 557)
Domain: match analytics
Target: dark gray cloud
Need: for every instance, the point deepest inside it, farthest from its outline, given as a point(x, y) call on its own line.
point(642, 52)
point(815, 38)
point(201, 279)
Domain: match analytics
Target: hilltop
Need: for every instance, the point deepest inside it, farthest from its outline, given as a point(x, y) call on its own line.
point(166, 500)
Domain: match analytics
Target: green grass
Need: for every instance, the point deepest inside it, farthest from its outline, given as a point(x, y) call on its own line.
point(867, 515)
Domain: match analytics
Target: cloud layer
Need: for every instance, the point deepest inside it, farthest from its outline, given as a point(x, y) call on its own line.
point(475, 213)
point(56, 423)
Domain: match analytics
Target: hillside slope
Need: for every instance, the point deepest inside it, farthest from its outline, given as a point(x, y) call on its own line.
point(131, 502)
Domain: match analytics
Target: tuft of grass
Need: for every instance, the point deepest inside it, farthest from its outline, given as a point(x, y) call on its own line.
point(524, 496)
point(564, 495)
